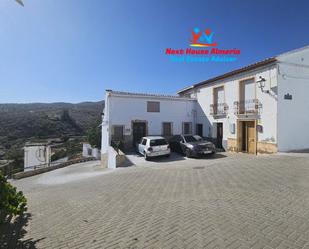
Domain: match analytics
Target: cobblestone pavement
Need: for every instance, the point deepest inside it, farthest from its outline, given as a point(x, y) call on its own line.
point(230, 201)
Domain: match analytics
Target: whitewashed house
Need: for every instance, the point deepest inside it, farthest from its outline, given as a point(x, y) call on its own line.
point(260, 108)
point(130, 116)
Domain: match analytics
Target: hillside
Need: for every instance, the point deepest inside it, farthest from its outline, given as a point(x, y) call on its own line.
point(22, 122)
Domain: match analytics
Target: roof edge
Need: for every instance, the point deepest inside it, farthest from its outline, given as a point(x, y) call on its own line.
point(146, 95)
point(231, 73)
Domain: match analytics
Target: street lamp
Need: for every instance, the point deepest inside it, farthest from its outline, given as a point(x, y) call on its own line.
point(261, 84)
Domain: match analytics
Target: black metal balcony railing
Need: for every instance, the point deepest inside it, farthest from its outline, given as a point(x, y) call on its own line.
point(250, 106)
point(219, 109)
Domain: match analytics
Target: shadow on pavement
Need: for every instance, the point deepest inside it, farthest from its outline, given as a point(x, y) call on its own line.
point(12, 233)
point(136, 158)
point(211, 157)
point(133, 158)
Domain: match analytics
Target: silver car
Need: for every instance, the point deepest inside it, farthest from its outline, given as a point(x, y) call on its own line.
point(192, 146)
point(153, 146)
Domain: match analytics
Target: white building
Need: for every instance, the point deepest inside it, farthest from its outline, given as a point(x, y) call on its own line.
point(260, 108)
point(130, 116)
point(36, 155)
point(89, 151)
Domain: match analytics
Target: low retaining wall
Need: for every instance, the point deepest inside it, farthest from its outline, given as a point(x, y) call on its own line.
point(21, 175)
point(113, 159)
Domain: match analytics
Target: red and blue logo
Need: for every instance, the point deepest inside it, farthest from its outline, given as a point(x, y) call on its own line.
point(202, 38)
point(202, 48)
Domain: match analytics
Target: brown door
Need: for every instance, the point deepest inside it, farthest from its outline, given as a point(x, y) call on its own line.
point(219, 135)
point(251, 134)
point(246, 136)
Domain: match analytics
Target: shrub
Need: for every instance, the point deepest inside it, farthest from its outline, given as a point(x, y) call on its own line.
point(17, 155)
point(94, 135)
point(12, 202)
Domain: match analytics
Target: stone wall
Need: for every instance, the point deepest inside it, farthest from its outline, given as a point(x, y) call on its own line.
point(266, 148)
point(24, 174)
point(232, 144)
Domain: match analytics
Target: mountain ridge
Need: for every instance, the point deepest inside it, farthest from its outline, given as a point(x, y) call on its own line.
point(20, 123)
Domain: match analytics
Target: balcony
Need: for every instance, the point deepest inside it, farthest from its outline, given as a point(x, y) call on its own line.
point(247, 107)
point(220, 109)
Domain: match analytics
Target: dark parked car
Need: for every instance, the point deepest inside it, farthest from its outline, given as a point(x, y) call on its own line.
point(191, 146)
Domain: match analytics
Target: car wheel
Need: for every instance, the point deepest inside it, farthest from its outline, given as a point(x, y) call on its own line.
point(168, 155)
point(187, 153)
point(145, 156)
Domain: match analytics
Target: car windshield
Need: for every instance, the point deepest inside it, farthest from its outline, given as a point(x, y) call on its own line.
point(157, 142)
point(190, 139)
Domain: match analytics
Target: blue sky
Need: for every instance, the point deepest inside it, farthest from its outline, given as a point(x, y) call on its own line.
point(72, 50)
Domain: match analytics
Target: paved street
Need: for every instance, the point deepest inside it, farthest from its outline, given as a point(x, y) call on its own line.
point(230, 201)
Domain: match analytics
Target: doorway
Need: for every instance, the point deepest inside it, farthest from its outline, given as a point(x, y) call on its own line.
point(199, 130)
point(247, 137)
point(139, 130)
point(219, 135)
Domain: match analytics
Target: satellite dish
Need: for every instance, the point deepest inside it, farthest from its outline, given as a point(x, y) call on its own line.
point(20, 2)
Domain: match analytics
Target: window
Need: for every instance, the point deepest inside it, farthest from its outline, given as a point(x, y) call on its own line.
point(158, 142)
point(187, 128)
point(153, 106)
point(218, 95)
point(118, 132)
point(166, 129)
point(219, 107)
point(144, 141)
point(249, 89)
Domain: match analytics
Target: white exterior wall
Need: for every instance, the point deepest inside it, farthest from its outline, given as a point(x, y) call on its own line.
point(125, 109)
point(204, 96)
point(105, 127)
point(96, 153)
point(293, 115)
point(36, 156)
point(111, 159)
point(87, 149)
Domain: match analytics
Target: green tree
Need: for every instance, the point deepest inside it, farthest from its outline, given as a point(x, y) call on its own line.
point(17, 155)
point(12, 202)
point(94, 135)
